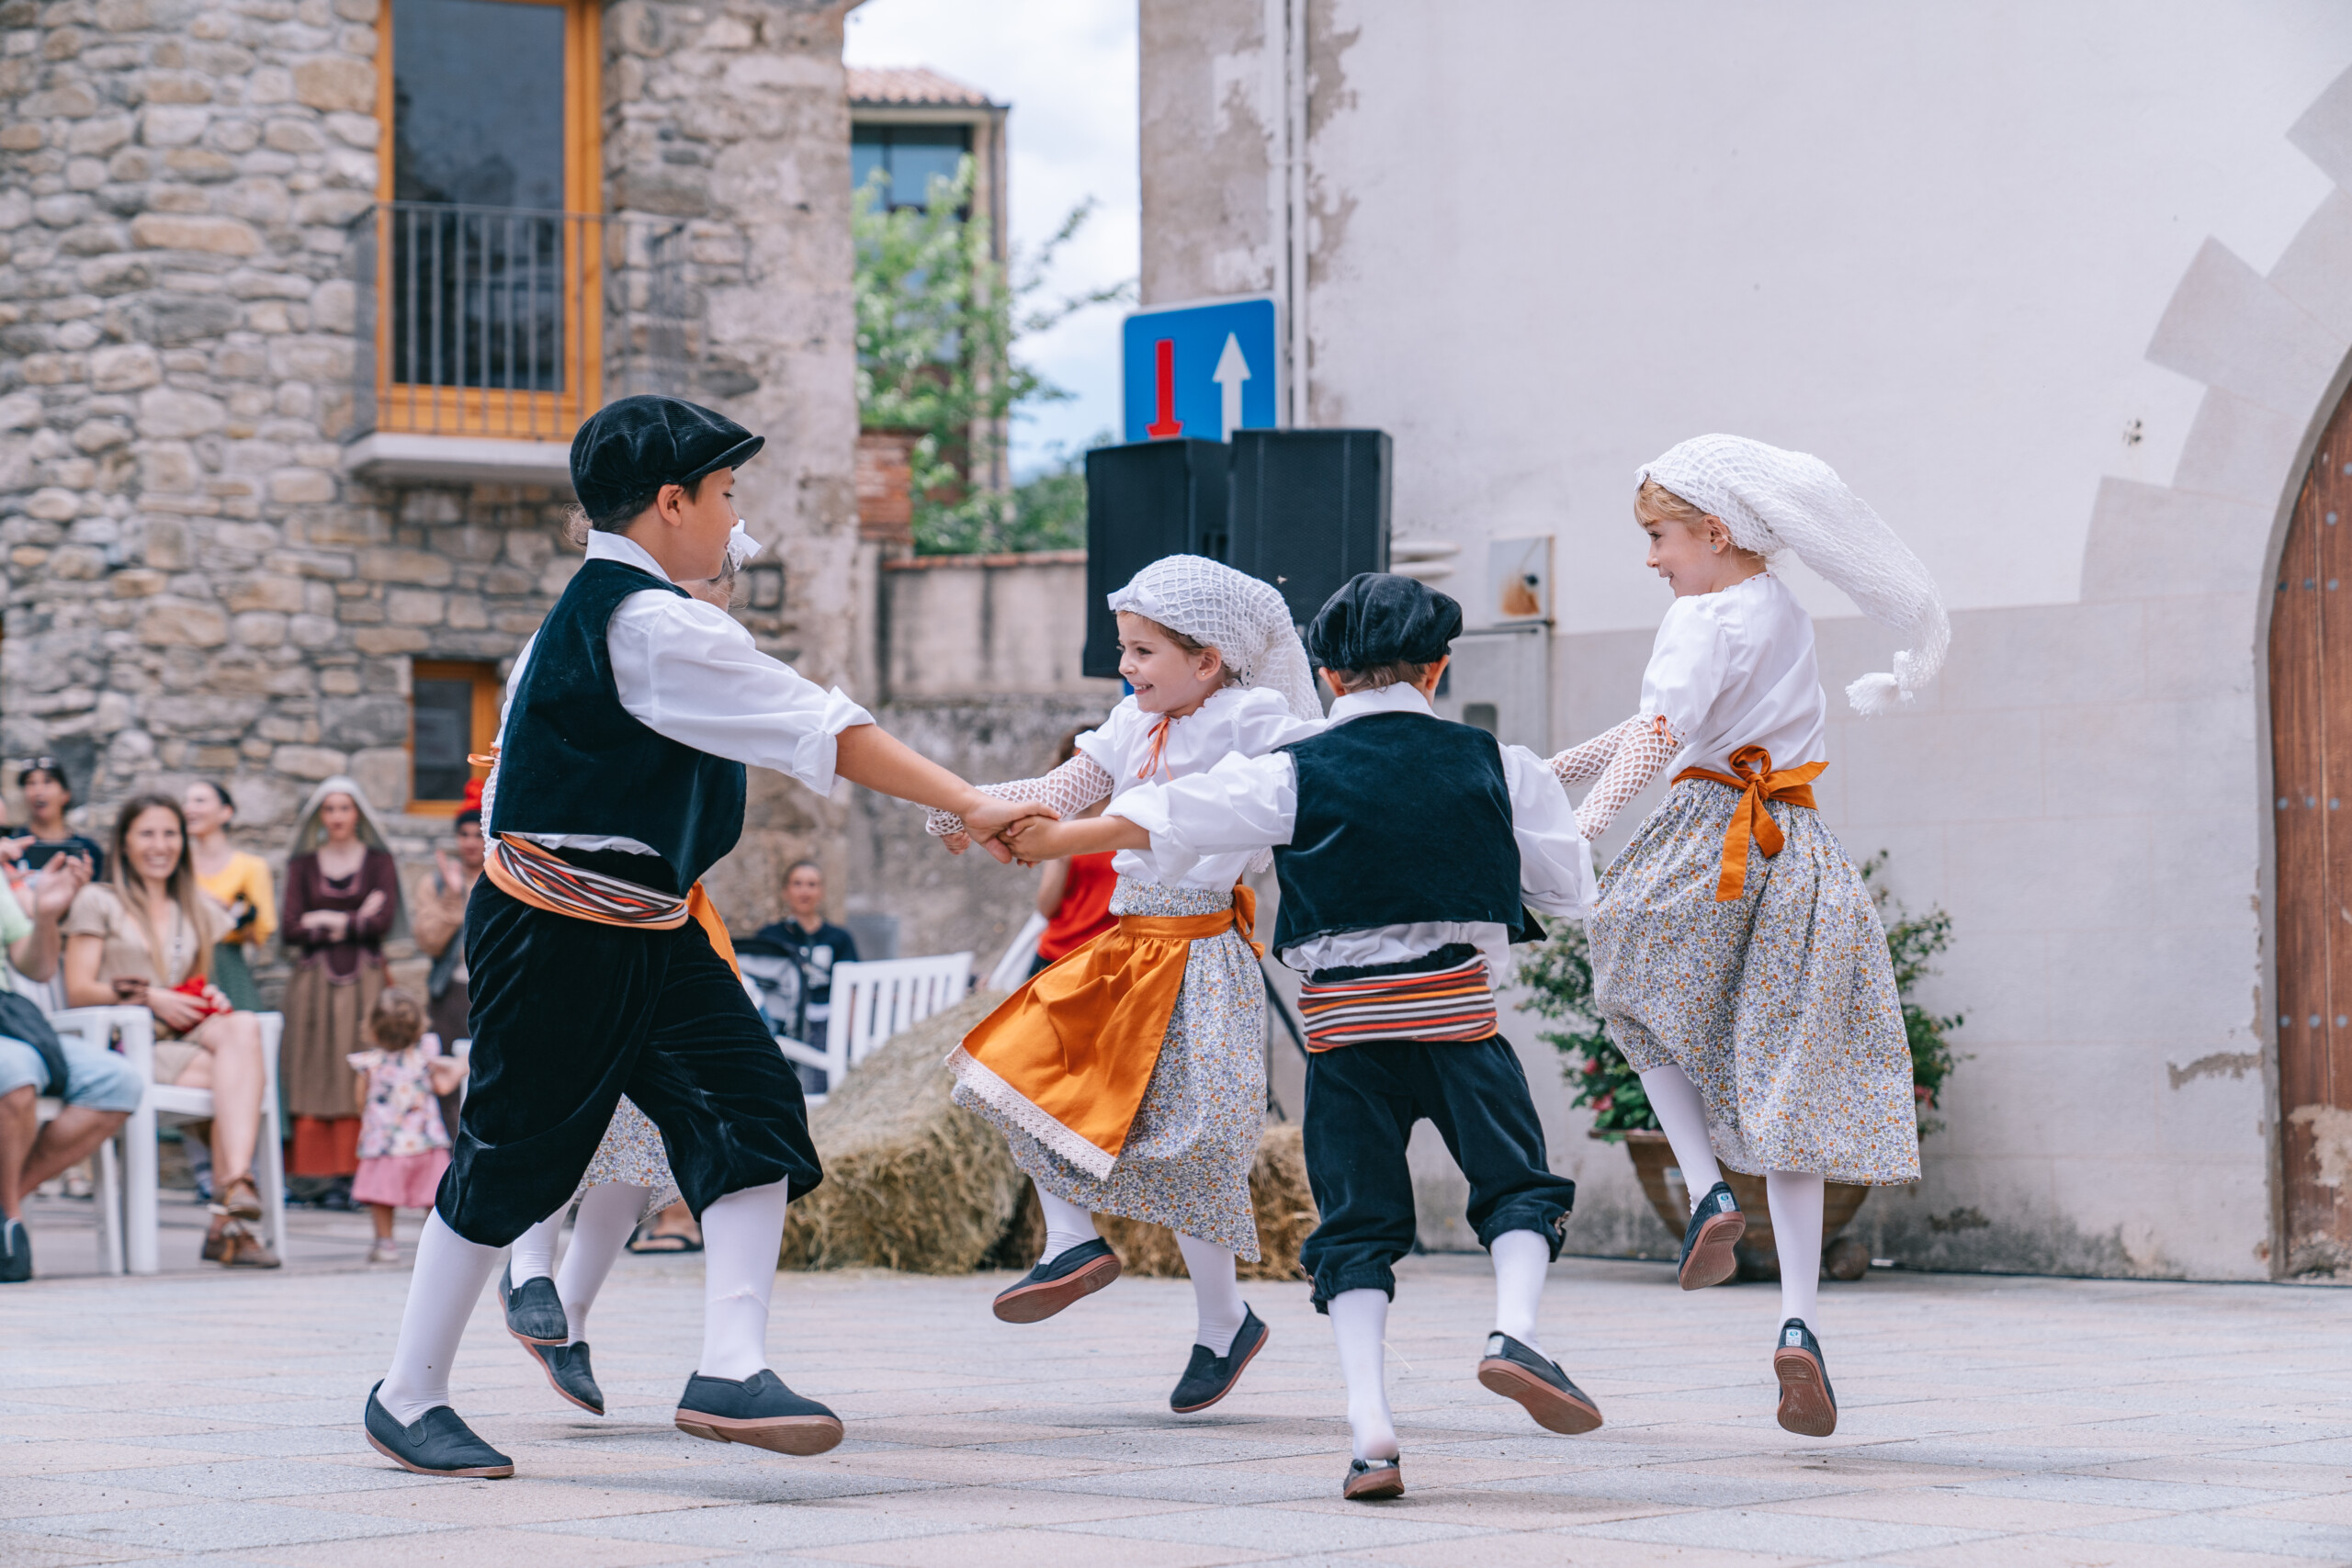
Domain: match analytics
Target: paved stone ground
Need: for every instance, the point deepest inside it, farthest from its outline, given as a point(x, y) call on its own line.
point(2015, 1422)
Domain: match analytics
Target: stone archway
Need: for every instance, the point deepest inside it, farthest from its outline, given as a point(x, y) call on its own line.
point(2311, 746)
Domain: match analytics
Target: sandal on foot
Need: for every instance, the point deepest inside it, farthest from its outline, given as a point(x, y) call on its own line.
point(237, 1248)
point(534, 1312)
point(1210, 1377)
point(435, 1443)
point(646, 1241)
point(759, 1412)
point(1372, 1480)
point(385, 1251)
point(1057, 1282)
point(1716, 1226)
point(241, 1199)
point(1519, 1372)
point(1808, 1406)
point(569, 1374)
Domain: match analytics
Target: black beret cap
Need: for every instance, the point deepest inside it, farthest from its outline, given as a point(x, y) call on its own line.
point(642, 443)
point(1382, 618)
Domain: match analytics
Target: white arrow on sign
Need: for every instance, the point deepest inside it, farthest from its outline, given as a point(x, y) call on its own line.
point(1231, 371)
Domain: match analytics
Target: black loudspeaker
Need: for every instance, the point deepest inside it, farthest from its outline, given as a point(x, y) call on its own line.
point(1144, 500)
point(1310, 510)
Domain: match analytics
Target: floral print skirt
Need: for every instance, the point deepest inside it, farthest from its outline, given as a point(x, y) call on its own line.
point(1186, 1161)
point(1780, 1005)
point(632, 1152)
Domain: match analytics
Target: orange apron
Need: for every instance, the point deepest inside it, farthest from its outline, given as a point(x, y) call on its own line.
point(1067, 1057)
point(1757, 784)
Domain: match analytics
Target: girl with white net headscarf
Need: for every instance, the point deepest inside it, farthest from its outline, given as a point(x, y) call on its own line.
point(1738, 960)
point(1129, 1076)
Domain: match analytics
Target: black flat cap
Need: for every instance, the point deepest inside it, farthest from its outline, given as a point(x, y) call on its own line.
point(642, 443)
point(1382, 618)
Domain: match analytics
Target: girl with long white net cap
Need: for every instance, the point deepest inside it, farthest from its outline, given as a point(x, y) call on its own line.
point(1751, 985)
point(1129, 1076)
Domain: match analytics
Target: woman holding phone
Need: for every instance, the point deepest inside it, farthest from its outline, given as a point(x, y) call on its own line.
point(144, 938)
point(47, 795)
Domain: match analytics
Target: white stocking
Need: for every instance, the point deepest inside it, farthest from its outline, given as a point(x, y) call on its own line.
point(608, 1217)
point(1795, 1198)
point(533, 1255)
point(741, 1234)
point(1676, 1101)
point(1522, 1259)
point(447, 1281)
point(1066, 1225)
point(1215, 1292)
point(1360, 1322)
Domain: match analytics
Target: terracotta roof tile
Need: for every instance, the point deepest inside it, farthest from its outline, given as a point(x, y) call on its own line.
point(911, 85)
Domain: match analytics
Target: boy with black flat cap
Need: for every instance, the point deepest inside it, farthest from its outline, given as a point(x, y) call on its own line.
point(1409, 850)
point(620, 781)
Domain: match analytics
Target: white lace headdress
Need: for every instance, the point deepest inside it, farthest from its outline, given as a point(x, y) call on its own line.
point(1244, 619)
point(1773, 501)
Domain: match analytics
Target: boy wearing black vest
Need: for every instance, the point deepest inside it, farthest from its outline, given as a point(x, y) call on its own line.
point(1409, 850)
point(620, 782)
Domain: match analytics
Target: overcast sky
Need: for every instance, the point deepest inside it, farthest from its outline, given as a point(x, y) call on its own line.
point(1068, 67)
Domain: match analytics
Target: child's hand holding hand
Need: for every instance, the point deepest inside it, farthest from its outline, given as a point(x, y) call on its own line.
point(989, 819)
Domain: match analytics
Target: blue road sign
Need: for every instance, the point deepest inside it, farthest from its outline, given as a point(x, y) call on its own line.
point(1203, 370)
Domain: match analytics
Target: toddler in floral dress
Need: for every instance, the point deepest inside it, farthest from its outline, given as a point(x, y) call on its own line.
point(403, 1147)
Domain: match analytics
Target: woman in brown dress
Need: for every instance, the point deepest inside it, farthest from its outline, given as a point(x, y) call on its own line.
point(343, 898)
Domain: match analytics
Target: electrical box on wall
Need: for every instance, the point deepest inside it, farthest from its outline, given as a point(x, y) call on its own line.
point(1500, 681)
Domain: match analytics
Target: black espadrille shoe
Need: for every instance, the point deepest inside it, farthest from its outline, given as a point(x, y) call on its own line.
point(435, 1443)
point(758, 1412)
point(1373, 1480)
point(1209, 1377)
point(568, 1373)
point(1808, 1406)
point(1071, 1275)
point(15, 1252)
point(534, 1312)
point(1716, 1226)
point(1519, 1371)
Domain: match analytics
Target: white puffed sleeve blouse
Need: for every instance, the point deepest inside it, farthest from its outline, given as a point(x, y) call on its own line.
point(1248, 720)
point(1735, 668)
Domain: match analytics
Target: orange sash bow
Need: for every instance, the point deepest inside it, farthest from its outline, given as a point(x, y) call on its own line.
point(1757, 784)
point(1068, 1056)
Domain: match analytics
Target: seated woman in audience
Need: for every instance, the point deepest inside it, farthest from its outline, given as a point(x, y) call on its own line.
point(144, 938)
point(47, 795)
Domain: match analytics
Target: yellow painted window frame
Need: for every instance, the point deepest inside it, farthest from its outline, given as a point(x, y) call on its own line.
point(484, 412)
point(488, 691)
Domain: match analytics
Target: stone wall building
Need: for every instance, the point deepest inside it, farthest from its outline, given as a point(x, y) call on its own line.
point(240, 512)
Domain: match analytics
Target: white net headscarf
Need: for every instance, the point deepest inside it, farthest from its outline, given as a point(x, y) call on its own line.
point(1773, 501)
point(1244, 619)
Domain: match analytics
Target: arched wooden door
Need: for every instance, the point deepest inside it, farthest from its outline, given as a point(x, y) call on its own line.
point(2311, 744)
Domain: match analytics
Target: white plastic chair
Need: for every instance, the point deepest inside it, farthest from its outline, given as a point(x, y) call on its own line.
point(142, 1186)
point(873, 1001)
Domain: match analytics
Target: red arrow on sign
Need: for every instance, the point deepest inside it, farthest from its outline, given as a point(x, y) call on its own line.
point(1166, 425)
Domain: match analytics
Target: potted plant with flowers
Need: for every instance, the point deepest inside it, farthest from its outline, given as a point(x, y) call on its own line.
point(1558, 977)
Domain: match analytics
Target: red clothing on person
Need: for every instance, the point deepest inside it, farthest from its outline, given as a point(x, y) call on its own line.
point(1085, 910)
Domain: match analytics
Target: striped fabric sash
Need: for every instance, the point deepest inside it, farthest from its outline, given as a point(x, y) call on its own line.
point(1453, 1003)
point(525, 872)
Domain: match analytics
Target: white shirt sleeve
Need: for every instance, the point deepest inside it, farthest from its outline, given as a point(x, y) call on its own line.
point(1555, 858)
point(689, 671)
point(1242, 804)
point(1689, 665)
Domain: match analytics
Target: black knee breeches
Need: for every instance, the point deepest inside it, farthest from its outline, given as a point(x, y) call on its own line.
point(1361, 1103)
point(568, 1016)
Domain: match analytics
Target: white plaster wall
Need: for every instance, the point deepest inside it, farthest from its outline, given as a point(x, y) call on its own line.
point(1928, 242)
point(1957, 251)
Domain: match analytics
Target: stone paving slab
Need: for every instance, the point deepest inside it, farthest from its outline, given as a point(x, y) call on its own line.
point(207, 1417)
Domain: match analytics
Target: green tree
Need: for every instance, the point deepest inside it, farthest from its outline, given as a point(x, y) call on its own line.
point(938, 319)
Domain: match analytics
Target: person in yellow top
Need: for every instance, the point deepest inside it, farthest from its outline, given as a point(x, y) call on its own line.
point(237, 881)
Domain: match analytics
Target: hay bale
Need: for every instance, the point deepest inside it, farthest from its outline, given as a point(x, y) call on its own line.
point(912, 1180)
point(1277, 1190)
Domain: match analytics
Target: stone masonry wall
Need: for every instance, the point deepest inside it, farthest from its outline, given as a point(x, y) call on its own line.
point(193, 584)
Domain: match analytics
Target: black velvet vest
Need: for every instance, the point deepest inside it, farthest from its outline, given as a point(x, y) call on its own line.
point(574, 762)
point(1402, 817)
